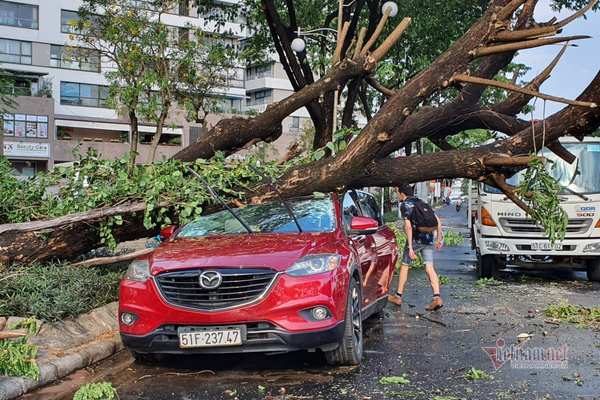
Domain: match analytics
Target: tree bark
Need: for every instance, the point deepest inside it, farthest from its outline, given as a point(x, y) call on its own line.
point(135, 139)
point(158, 133)
point(232, 134)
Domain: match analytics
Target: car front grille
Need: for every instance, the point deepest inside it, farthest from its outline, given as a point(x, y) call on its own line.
point(238, 287)
point(514, 225)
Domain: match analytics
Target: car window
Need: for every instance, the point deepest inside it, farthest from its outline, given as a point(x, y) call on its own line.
point(350, 209)
point(313, 215)
point(369, 206)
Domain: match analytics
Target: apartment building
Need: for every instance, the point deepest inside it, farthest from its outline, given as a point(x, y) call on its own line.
point(61, 104)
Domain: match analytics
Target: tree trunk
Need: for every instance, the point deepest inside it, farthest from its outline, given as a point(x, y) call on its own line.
point(158, 133)
point(135, 138)
point(68, 237)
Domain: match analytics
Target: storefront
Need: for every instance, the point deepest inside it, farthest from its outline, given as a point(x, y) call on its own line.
point(27, 157)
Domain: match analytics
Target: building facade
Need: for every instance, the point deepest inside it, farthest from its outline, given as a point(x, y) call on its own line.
point(61, 104)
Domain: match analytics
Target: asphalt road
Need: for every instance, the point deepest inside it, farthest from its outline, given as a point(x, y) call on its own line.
point(433, 351)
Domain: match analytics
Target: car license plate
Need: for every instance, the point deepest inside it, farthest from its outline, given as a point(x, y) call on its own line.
point(209, 337)
point(546, 246)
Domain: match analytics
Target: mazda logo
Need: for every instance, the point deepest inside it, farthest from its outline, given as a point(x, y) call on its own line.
point(210, 279)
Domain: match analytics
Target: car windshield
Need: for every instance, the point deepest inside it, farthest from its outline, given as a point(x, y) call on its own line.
point(313, 215)
point(581, 176)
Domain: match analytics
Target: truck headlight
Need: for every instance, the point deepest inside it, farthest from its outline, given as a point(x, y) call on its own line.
point(592, 248)
point(314, 264)
point(139, 270)
point(496, 246)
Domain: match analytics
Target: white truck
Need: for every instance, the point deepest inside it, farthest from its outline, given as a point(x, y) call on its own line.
point(502, 234)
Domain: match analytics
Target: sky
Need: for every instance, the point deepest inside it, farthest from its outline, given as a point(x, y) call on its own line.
point(578, 65)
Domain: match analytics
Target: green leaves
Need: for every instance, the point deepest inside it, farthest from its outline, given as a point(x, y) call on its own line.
point(95, 183)
point(96, 391)
point(17, 357)
point(539, 190)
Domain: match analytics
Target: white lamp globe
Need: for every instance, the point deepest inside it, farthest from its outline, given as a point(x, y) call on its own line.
point(298, 45)
point(393, 8)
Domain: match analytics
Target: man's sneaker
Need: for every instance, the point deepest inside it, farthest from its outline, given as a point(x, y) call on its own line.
point(397, 300)
point(435, 304)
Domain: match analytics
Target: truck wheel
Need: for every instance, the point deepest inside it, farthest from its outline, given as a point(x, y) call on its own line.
point(488, 266)
point(350, 349)
point(593, 270)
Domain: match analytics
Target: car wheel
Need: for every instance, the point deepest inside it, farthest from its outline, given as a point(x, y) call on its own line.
point(143, 358)
point(593, 270)
point(350, 349)
point(488, 266)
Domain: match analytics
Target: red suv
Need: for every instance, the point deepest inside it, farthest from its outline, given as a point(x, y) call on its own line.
point(274, 277)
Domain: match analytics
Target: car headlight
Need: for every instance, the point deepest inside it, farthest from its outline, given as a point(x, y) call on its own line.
point(139, 270)
point(315, 264)
point(592, 248)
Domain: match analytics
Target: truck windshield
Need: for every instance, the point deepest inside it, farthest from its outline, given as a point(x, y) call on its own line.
point(581, 176)
point(313, 215)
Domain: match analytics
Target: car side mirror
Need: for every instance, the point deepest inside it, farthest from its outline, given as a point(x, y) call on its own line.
point(363, 225)
point(167, 232)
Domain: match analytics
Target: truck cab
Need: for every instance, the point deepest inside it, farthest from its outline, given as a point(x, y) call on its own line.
point(503, 234)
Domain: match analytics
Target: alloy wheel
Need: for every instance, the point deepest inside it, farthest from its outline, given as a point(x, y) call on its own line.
point(356, 317)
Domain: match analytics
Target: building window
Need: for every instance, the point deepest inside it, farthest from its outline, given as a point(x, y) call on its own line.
point(75, 58)
point(17, 86)
point(83, 94)
point(259, 97)
point(15, 51)
point(22, 125)
point(19, 15)
point(68, 21)
point(259, 71)
point(295, 123)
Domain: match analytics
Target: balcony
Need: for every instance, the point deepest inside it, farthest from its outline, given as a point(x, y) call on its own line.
point(111, 144)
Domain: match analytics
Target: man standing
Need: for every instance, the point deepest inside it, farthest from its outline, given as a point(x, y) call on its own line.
point(420, 223)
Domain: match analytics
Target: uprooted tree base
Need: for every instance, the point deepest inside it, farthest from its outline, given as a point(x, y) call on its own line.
point(507, 26)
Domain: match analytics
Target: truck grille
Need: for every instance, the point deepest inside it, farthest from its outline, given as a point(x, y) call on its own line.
point(239, 286)
point(513, 225)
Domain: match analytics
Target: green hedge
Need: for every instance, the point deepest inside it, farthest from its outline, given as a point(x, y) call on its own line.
point(55, 291)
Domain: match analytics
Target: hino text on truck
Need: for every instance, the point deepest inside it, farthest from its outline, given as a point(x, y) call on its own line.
point(503, 234)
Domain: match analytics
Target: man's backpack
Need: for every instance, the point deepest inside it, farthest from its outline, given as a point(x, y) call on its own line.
point(423, 218)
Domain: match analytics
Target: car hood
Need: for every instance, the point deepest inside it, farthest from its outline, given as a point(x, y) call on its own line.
point(277, 251)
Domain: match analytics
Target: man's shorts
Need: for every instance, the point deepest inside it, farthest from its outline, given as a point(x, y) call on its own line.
point(426, 251)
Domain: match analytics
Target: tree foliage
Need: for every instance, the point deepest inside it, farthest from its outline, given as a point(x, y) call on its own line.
point(152, 66)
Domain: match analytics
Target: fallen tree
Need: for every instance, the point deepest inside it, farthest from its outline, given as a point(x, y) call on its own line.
point(407, 115)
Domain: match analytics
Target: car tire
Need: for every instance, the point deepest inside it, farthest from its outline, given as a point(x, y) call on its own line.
point(144, 358)
point(593, 270)
point(350, 349)
point(488, 266)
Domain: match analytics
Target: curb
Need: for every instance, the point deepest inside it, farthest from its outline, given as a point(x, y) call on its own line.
point(100, 344)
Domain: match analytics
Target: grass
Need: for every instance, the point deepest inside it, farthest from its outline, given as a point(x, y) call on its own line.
point(453, 239)
point(17, 357)
point(96, 391)
point(486, 282)
point(394, 380)
point(53, 292)
point(575, 314)
point(475, 374)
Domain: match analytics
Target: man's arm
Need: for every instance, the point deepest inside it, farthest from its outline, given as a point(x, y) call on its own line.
point(439, 236)
point(409, 238)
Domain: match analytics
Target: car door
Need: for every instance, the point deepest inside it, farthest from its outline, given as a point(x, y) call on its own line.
point(384, 247)
point(363, 243)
